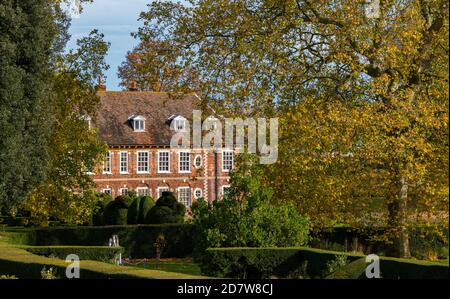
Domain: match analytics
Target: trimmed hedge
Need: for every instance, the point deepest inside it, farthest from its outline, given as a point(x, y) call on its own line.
point(282, 262)
point(94, 253)
point(137, 240)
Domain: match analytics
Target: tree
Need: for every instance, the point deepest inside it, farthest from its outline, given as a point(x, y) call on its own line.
point(75, 148)
point(155, 66)
point(245, 217)
point(390, 71)
point(27, 32)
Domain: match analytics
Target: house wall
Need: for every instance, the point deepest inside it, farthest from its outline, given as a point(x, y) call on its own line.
point(198, 178)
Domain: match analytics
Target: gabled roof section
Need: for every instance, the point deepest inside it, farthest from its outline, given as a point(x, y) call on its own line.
point(118, 107)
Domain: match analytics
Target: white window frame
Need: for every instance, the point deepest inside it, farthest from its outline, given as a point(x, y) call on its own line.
point(223, 160)
point(127, 162)
point(179, 120)
point(189, 195)
point(159, 163)
point(109, 162)
point(149, 193)
point(124, 188)
point(137, 162)
point(107, 189)
point(137, 122)
point(201, 193)
point(160, 190)
point(201, 161)
point(189, 162)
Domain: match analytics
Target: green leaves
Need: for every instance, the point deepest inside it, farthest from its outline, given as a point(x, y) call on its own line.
point(246, 216)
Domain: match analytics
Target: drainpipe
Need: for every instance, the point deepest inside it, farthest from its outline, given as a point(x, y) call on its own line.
point(216, 179)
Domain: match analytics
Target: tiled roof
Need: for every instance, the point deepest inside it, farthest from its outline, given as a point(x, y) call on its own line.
point(116, 107)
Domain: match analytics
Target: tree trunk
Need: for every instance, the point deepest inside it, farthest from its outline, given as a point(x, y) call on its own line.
point(398, 218)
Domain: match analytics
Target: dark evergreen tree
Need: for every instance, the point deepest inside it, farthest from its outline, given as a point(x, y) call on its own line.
point(27, 34)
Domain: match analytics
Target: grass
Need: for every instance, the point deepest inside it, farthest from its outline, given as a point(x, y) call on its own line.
point(185, 266)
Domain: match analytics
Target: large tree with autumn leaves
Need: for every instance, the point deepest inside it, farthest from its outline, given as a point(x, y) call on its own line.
point(362, 97)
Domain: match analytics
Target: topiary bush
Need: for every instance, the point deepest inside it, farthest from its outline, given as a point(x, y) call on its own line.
point(146, 204)
point(133, 211)
point(166, 210)
point(116, 211)
point(103, 200)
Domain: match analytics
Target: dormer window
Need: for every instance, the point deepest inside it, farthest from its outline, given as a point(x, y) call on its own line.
point(138, 123)
point(178, 123)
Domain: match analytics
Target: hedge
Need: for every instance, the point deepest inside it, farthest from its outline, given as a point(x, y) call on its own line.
point(137, 240)
point(284, 262)
point(94, 253)
point(25, 265)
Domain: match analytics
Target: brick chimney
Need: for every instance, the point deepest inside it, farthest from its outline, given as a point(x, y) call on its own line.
point(133, 86)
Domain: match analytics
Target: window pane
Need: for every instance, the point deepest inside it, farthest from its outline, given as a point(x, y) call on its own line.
point(107, 163)
point(143, 162)
point(163, 161)
point(184, 162)
point(227, 160)
point(184, 196)
point(124, 162)
point(143, 192)
point(198, 161)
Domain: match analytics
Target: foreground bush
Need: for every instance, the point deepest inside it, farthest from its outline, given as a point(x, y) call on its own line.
point(246, 216)
point(309, 263)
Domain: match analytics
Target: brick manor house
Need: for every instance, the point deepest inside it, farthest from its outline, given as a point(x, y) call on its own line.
point(136, 127)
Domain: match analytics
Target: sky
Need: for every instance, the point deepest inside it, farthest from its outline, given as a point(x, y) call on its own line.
point(116, 19)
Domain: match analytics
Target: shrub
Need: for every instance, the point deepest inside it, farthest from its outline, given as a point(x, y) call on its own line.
point(94, 253)
point(116, 211)
point(50, 273)
point(166, 210)
point(339, 262)
point(102, 202)
point(8, 277)
point(246, 216)
point(133, 211)
point(146, 204)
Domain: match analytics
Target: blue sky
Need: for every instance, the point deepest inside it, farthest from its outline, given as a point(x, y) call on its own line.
point(116, 19)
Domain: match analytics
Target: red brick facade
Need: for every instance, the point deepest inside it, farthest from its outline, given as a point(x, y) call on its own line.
point(203, 177)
